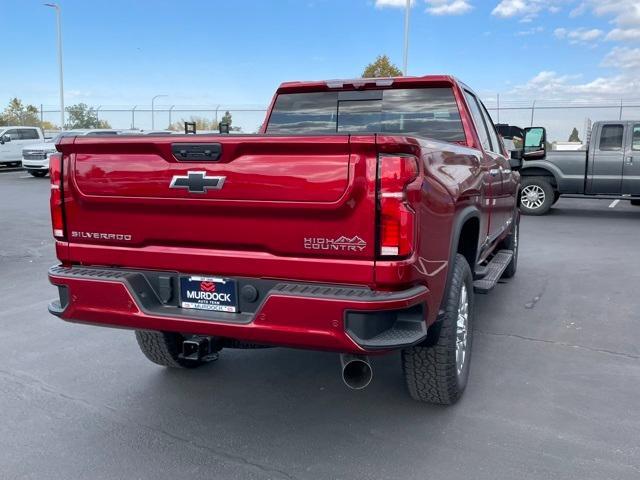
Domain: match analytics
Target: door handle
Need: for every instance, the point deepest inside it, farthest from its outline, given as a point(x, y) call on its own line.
point(629, 160)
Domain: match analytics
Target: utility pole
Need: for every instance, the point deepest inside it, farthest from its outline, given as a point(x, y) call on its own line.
point(406, 38)
point(57, 7)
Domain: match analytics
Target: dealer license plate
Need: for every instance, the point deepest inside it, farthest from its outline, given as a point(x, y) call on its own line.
point(208, 293)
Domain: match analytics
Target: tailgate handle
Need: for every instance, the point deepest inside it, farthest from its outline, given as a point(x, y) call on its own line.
point(196, 152)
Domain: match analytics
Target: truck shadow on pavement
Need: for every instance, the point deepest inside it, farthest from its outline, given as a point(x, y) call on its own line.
point(278, 400)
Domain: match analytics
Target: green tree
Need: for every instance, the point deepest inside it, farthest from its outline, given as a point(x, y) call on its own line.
point(83, 116)
point(382, 67)
point(47, 125)
point(201, 124)
point(574, 136)
point(16, 113)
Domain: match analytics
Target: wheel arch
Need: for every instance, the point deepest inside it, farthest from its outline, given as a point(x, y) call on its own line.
point(543, 170)
point(465, 239)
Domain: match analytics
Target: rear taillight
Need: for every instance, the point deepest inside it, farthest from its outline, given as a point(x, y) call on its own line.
point(57, 212)
point(395, 216)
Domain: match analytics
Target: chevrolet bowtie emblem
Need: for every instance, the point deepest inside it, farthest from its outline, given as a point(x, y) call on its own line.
point(197, 182)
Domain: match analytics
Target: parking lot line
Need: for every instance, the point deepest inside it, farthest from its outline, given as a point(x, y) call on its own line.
point(613, 204)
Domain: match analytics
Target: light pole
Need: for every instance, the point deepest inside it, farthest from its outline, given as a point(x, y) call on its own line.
point(57, 7)
point(153, 101)
point(406, 37)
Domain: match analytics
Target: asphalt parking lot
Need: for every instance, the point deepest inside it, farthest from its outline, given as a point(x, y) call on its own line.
point(553, 393)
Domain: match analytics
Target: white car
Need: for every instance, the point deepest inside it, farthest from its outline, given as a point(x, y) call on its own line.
point(35, 158)
point(14, 139)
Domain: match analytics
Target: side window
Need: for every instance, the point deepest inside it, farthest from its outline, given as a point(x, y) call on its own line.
point(493, 135)
point(635, 140)
point(13, 134)
point(478, 121)
point(29, 134)
point(611, 137)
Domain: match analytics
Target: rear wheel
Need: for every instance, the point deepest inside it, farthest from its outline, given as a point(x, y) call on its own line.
point(438, 374)
point(536, 195)
point(38, 173)
point(164, 348)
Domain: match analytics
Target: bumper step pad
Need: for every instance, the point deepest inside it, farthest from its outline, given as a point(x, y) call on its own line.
point(493, 271)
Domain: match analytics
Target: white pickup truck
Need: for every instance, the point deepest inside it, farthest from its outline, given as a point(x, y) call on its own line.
point(14, 139)
point(35, 157)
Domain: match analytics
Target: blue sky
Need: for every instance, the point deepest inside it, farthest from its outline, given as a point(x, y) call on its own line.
point(238, 51)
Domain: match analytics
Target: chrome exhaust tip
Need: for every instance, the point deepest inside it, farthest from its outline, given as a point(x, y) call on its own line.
point(356, 371)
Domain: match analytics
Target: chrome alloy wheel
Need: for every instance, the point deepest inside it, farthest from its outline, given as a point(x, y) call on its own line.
point(532, 196)
point(462, 325)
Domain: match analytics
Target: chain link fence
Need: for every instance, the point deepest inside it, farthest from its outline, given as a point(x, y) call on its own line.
point(248, 118)
point(559, 116)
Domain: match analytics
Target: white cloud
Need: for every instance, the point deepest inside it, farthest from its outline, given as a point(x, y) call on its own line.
point(448, 7)
point(434, 7)
point(579, 10)
point(624, 12)
point(624, 34)
point(510, 8)
point(393, 3)
point(527, 9)
point(580, 35)
point(623, 58)
point(624, 83)
point(531, 31)
point(550, 85)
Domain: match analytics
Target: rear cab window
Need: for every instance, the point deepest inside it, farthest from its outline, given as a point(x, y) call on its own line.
point(635, 137)
point(430, 112)
point(29, 134)
point(611, 137)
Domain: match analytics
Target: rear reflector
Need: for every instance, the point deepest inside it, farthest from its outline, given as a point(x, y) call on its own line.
point(56, 200)
point(395, 216)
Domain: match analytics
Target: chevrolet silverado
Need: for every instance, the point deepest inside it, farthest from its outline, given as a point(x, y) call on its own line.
point(360, 220)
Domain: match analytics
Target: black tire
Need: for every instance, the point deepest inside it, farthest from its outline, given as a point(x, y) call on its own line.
point(556, 197)
point(541, 187)
point(512, 242)
point(635, 203)
point(38, 173)
point(164, 349)
point(431, 372)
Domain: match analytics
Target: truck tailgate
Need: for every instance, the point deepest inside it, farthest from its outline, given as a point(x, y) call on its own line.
point(266, 206)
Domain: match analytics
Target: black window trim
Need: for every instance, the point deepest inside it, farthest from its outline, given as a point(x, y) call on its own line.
point(497, 150)
point(473, 96)
point(633, 128)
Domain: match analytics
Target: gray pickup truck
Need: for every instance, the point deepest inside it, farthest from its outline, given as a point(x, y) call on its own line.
point(608, 168)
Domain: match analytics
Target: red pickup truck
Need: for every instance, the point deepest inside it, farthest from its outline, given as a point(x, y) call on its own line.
point(360, 220)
